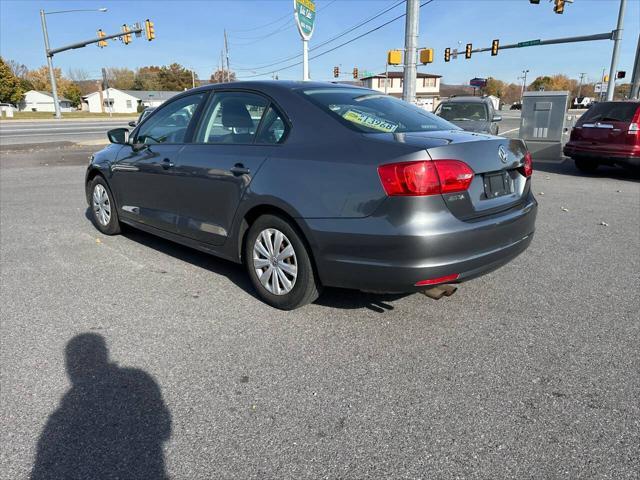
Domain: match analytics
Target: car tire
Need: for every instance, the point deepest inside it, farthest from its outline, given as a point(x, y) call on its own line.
point(585, 165)
point(104, 213)
point(286, 281)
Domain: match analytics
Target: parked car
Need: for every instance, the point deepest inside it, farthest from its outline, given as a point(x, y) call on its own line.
point(475, 114)
point(143, 114)
point(608, 133)
point(516, 106)
point(316, 184)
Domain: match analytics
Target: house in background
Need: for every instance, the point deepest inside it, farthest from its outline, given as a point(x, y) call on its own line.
point(427, 87)
point(124, 101)
point(39, 101)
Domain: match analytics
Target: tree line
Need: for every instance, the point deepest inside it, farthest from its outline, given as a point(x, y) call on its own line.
point(16, 79)
point(510, 92)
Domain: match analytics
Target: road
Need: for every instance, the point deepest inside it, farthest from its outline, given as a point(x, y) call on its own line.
point(20, 133)
point(531, 371)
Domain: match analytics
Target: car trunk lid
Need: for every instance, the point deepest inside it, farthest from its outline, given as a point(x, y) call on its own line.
point(499, 182)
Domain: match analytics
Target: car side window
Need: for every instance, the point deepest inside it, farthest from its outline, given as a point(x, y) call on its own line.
point(231, 118)
point(273, 128)
point(169, 124)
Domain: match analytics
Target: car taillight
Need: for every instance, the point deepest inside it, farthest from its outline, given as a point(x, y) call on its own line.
point(527, 168)
point(425, 177)
point(633, 129)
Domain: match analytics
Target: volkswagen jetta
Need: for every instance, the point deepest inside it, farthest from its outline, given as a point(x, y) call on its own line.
point(315, 184)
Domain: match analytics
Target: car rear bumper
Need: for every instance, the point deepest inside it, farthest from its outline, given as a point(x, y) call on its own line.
point(624, 154)
point(374, 254)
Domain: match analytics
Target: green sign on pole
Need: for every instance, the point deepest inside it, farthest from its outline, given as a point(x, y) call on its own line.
point(529, 43)
point(305, 15)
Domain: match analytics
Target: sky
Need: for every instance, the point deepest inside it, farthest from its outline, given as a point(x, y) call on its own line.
point(263, 32)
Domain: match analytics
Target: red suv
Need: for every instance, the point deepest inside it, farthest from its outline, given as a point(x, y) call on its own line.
point(608, 133)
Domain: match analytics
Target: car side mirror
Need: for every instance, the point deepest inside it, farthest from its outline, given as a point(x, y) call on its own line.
point(119, 136)
point(496, 118)
point(132, 123)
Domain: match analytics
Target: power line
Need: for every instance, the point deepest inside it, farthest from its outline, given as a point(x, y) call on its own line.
point(277, 20)
point(330, 40)
point(285, 26)
point(338, 46)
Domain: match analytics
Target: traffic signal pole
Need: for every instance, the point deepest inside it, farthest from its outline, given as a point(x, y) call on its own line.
point(635, 77)
point(617, 36)
point(52, 75)
point(410, 52)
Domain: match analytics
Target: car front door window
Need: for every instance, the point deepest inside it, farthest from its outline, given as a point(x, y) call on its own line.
point(169, 125)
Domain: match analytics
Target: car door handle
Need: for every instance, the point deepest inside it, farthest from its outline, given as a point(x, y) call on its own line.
point(167, 164)
point(239, 169)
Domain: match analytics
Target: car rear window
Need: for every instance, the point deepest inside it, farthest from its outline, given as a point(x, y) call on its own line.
point(369, 111)
point(459, 111)
point(610, 112)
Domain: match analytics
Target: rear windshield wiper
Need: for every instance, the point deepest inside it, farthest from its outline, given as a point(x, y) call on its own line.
point(610, 119)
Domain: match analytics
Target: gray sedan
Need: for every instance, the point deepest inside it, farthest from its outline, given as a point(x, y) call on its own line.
point(474, 114)
point(314, 184)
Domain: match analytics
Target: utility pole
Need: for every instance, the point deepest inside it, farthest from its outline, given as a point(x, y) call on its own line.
point(52, 75)
point(580, 85)
point(524, 83)
point(635, 77)
point(222, 67)
point(226, 50)
point(617, 36)
point(193, 79)
point(602, 84)
point(105, 83)
point(410, 48)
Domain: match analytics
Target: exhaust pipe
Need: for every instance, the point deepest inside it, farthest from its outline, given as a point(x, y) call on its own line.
point(440, 291)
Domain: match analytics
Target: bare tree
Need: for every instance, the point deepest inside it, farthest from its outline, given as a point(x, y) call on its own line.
point(19, 70)
point(121, 78)
point(79, 75)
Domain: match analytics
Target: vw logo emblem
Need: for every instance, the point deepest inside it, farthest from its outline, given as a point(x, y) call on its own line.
point(502, 153)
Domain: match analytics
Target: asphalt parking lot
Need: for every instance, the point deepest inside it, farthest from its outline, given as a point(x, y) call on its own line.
point(529, 372)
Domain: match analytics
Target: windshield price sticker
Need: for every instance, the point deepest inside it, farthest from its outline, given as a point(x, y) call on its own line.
point(370, 121)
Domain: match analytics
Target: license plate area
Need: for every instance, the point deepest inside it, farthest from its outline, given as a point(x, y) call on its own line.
point(497, 184)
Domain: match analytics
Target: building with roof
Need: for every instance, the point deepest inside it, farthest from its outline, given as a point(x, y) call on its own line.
point(40, 101)
point(427, 86)
point(124, 101)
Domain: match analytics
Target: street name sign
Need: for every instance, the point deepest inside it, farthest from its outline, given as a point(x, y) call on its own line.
point(529, 43)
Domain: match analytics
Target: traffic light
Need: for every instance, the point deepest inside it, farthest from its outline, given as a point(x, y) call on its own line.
point(126, 38)
point(605, 79)
point(102, 43)
point(447, 54)
point(426, 56)
point(495, 46)
point(467, 51)
point(558, 6)
point(355, 73)
point(621, 74)
point(336, 72)
point(535, 2)
point(149, 29)
point(394, 57)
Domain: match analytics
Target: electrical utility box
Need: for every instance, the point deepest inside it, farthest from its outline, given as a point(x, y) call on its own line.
point(545, 124)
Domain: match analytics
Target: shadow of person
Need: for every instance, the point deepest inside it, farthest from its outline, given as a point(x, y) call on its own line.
point(112, 423)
